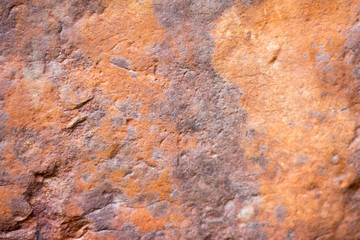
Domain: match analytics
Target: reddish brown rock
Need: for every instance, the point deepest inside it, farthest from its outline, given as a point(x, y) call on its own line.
point(227, 119)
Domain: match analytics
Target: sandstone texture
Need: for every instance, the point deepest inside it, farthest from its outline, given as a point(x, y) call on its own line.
point(179, 119)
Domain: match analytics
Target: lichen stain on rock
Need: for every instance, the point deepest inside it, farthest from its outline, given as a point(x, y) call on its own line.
point(284, 81)
point(126, 119)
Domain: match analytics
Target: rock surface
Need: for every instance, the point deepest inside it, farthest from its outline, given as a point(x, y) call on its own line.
point(179, 119)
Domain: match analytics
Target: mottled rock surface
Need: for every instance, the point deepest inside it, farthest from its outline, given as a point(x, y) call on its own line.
point(179, 119)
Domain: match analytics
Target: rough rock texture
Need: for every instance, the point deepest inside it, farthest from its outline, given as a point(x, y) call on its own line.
point(179, 119)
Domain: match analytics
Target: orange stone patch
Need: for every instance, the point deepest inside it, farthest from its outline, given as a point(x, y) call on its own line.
point(277, 53)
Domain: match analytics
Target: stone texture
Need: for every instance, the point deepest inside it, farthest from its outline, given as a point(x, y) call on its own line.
point(179, 119)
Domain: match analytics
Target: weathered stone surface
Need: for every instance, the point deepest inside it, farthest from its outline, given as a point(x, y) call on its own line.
point(179, 119)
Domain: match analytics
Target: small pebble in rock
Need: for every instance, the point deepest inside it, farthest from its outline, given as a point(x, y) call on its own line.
point(335, 159)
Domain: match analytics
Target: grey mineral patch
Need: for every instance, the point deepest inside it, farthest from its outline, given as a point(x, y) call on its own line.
point(248, 3)
point(230, 208)
point(103, 218)
point(280, 213)
point(75, 122)
point(121, 62)
point(352, 44)
point(148, 198)
point(322, 57)
point(3, 131)
point(335, 159)
point(201, 103)
point(261, 161)
point(96, 198)
point(128, 231)
point(34, 71)
point(154, 235)
point(263, 147)
point(154, 128)
point(208, 10)
point(246, 213)
point(353, 162)
point(131, 134)
point(171, 13)
point(128, 110)
point(117, 122)
point(290, 235)
point(175, 192)
point(301, 159)
point(133, 74)
point(157, 154)
point(252, 230)
point(159, 209)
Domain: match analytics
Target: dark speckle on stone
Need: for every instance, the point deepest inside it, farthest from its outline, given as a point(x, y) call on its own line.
point(290, 235)
point(251, 133)
point(248, 36)
point(38, 235)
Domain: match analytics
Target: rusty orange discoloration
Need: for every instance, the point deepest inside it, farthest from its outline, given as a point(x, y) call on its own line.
point(296, 109)
point(13, 207)
point(95, 236)
point(286, 56)
point(142, 219)
point(32, 102)
point(6, 195)
point(103, 37)
point(131, 187)
point(116, 39)
point(72, 209)
point(117, 176)
point(163, 186)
